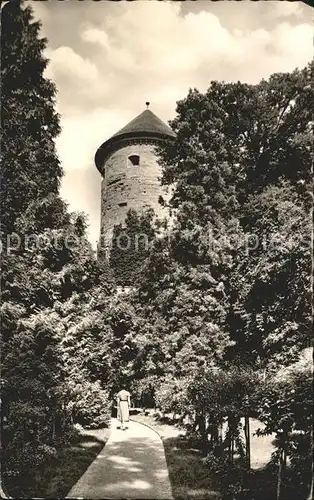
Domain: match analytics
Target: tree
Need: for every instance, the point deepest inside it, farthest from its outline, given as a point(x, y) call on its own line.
point(49, 262)
point(262, 132)
point(30, 169)
point(213, 293)
point(286, 409)
point(130, 247)
point(241, 169)
point(270, 285)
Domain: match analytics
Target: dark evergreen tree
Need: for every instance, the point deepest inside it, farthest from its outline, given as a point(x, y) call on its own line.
point(51, 263)
point(30, 170)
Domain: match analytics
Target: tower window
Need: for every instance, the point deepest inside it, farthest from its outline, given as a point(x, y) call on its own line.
point(123, 204)
point(134, 160)
point(114, 182)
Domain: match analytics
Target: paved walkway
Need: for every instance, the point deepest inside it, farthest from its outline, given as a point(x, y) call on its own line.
point(131, 465)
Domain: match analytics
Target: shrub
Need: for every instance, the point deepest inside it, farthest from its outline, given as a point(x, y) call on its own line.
point(171, 396)
point(92, 406)
point(23, 459)
point(232, 477)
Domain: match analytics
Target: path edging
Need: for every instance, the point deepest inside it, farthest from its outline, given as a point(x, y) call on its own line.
point(148, 426)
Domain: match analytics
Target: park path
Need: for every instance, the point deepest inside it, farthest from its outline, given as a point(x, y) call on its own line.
point(131, 465)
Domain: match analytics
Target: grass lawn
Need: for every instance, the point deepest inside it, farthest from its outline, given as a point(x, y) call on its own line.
point(190, 479)
point(62, 471)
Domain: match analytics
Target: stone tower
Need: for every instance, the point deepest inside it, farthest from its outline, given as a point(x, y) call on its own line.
point(130, 171)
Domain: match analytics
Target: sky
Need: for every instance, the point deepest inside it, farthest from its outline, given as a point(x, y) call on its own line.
point(108, 58)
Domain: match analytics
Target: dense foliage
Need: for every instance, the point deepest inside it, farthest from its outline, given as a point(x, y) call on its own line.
point(130, 247)
point(228, 287)
point(46, 262)
point(224, 294)
point(218, 301)
point(29, 120)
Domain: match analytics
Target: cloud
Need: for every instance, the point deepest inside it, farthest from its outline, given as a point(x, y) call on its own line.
point(78, 80)
point(41, 12)
point(83, 134)
point(286, 9)
point(66, 62)
point(81, 187)
point(80, 138)
point(94, 35)
point(108, 58)
point(151, 44)
point(294, 41)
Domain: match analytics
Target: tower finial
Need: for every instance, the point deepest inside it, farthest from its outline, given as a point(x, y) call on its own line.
point(147, 104)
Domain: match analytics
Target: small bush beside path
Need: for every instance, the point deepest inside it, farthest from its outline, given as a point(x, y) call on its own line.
point(57, 476)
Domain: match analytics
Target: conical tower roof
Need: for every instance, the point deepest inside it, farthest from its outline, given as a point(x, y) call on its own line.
point(144, 126)
point(147, 121)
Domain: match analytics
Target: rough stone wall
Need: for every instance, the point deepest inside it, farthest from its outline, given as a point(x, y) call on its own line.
point(126, 186)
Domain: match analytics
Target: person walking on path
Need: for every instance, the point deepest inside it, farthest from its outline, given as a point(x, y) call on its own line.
point(123, 407)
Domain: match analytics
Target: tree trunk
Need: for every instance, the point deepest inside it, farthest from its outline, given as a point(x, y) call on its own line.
point(284, 459)
point(53, 427)
point(203, 431)
point(64, 418)
point(279, 476)
point(220, 440)
point(231, 427)
point(247, 441)
point(214, 435)
point(311, 493)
